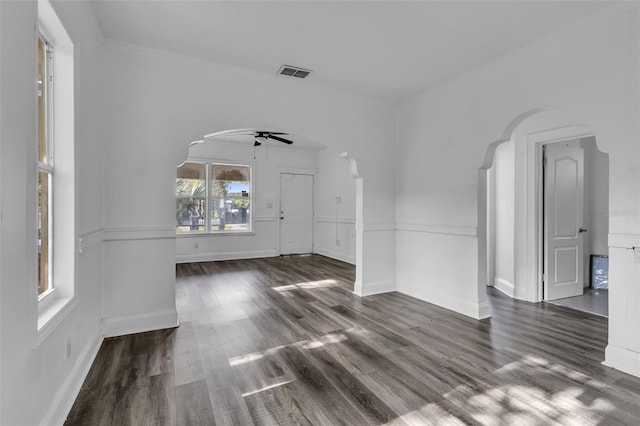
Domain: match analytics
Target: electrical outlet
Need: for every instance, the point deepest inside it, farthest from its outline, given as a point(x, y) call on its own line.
point(196, 245)
point(338, 243)
point(636, 254)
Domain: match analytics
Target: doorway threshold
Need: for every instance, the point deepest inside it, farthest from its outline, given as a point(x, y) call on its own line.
point(593, 301)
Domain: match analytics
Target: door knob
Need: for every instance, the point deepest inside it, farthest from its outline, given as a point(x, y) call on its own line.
point(582, 230)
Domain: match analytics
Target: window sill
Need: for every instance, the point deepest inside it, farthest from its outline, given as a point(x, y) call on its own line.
point(209, 234)
point(51, 313)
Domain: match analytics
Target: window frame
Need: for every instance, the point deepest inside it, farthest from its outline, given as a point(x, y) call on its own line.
point(47, 167)
point(208, 231)
point(206, 193)
point(53, 307)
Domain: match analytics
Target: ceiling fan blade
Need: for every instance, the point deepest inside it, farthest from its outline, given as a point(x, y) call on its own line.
point(287, 141)
point(237, 132)
point(231, 133)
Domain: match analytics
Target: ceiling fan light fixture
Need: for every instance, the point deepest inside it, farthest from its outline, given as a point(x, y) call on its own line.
point(260, 140)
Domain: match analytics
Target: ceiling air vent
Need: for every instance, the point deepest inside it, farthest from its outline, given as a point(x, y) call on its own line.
point(294, 71)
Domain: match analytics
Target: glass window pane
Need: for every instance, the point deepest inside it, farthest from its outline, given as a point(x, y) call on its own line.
point(191, 197)
point(44, 226)
point(231, 198)
point(42, 101)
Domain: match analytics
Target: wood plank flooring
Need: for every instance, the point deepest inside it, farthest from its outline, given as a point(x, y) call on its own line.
point(282, 341)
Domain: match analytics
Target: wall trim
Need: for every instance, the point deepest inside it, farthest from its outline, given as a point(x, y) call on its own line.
point(622, 359)
point(335, 220)
point(265, 218)
point(235, 255)
point(504, 286)
point(68, 392)
point(438, 228)
point(139, 233)
point(378, 226)
point(335, 255)
point(476, 310)
point(297, 171)
point(148, 321)
point(624, 240)
point(90, 239)
point(371, 288)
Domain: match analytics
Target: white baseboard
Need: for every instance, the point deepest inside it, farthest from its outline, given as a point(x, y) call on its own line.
point(477, 311)
point(236, 255)
point(336, 255)
point(68, 392)
point(622, 359)
point(504, 286)
point(120, 326)
point(371, 288)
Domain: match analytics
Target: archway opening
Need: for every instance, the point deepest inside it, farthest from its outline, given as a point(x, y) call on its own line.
point(514, 250)
point(270, 164)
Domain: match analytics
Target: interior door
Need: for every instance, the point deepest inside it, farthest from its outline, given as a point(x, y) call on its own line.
point(563, 221)
point(296, 213)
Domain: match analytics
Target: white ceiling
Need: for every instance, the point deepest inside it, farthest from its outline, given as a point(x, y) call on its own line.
point(386, 49)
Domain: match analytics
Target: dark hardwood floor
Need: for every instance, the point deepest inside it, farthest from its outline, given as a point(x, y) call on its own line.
point(283, 341)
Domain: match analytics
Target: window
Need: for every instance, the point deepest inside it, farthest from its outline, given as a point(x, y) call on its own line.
point(45, 168)
point(53, 185)
point(213, 197)
point(191, 197)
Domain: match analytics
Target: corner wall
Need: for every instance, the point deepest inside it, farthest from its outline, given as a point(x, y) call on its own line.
point(335, 220)
point(504, 174)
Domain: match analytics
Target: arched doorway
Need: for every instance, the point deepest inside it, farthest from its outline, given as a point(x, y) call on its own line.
point(334, 201)
point(513, 249)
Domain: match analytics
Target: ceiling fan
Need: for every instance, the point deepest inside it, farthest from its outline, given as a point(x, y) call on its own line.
point(261, 137)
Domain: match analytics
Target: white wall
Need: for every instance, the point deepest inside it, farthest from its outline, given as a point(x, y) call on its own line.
point(266, 200)
point(335, 230)
point(504, 196)
point(590, 72)
point(156, 104)
point(38, 382)
point(596, 202)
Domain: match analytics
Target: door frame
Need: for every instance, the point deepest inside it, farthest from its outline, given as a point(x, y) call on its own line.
point(296, 171)
point(537, 141)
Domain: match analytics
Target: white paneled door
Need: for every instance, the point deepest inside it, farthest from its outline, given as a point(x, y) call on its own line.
point(563, 221)
point(296, 213)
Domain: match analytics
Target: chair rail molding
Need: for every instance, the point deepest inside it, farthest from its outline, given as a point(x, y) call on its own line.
point(139, 233)
point(439, 228)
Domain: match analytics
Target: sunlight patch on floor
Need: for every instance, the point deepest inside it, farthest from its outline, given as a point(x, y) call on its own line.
point(308, 285)
point(244, 395)
point(556, 399)
point(303, 344)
